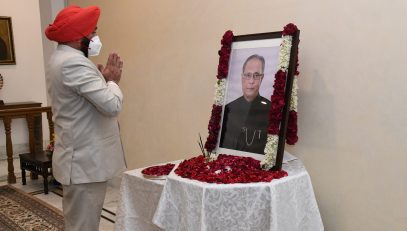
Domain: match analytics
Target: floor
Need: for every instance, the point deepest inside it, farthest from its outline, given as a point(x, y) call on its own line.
point(35, 187)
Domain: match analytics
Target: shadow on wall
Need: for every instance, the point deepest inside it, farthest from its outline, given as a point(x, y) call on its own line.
point(317, 114)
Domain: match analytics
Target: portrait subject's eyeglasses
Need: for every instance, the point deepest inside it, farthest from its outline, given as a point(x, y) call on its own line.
point(255, 76)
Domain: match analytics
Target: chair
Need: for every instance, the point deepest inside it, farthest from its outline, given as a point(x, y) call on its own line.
point(37, 161)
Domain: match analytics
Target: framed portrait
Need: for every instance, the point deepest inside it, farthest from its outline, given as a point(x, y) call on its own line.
point(7, 55)
point(247, 120)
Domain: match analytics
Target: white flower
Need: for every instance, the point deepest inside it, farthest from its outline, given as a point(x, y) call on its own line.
point(294, 95)
point(285, 51)
point(220, 88)
point(211, 157)
point(270, 152)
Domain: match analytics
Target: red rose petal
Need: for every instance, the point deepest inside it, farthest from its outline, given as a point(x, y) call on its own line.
point(227, 169)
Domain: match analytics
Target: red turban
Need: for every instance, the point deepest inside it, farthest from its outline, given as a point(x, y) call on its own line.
point(73, 23)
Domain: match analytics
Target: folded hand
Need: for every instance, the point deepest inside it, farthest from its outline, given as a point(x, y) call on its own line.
point(113, 69)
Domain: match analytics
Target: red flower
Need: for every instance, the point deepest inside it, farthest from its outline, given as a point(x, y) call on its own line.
point(223, 70)
point(281, 74)
point(278, 116)
point(223, 67)
point(279, 88)
point(160, 170)
point(279, 83)
point(290, 29)
point(293, 116)
point(224, 53)
point(213, 127)
point(226, 169)
point(227, 38)
point(277, 101)
point(273, 130)
point(292, 128)
point(291, 140)
point(210, 145)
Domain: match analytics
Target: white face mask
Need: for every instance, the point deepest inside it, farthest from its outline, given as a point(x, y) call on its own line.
point(94, 46)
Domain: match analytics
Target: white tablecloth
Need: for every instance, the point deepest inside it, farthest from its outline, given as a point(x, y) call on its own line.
point(181, 204)
point(138, 201)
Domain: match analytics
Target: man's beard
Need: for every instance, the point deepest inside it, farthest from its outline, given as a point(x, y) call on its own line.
point(85, 46)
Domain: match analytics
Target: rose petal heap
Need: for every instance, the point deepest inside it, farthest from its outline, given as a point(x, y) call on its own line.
point(227, 169)
point(161, 170)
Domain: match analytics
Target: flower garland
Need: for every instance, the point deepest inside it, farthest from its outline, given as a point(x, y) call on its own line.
point(277, 99)
point(278, 102)
point(226, 169)
point(292, 127)
point(220, 89)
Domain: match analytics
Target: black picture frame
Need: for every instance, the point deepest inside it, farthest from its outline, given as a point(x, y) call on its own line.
point(288, 90)
point(7, 54)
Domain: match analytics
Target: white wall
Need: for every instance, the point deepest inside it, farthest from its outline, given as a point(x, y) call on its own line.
point(48, 11)
point(24, 81)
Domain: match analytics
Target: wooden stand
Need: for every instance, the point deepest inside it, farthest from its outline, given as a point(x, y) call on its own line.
point(9, 111)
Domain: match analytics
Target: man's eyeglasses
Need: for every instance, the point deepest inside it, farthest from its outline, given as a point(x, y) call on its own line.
point(255, 76)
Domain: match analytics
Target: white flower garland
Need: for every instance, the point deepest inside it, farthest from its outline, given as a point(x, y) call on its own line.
point(220, 88)
point(294, 95)
point(285, 50)
point(270, 150)
point(219, 99)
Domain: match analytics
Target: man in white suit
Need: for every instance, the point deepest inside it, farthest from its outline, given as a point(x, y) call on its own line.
point(85, 101)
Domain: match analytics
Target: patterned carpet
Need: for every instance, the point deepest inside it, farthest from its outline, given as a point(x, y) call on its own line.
point(21, 211)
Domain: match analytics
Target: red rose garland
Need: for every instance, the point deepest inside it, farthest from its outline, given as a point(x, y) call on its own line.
point(223, 70)
point(292, 128)
point(277, 103)
point(213, 127)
